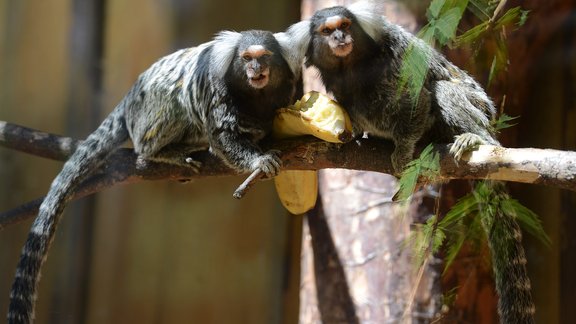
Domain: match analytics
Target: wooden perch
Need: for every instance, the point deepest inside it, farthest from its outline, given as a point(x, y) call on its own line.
point(527, 165)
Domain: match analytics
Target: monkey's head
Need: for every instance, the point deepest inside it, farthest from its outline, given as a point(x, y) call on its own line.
point(342, 34)
point(259, 70)
point(331, 29)
point(257, 62)
point(256, 59)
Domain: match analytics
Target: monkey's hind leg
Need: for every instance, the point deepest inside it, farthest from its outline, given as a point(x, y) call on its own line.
point(178, 154)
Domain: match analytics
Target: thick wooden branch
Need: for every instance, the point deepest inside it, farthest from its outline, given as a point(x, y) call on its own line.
point(528, 165)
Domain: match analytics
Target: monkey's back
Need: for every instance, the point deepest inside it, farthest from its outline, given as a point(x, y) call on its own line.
point(160, 108)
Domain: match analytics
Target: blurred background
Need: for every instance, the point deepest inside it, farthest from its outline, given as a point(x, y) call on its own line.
point(164, 252)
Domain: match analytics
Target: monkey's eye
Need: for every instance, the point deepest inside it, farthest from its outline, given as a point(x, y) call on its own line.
point(246, 57)
point(344, 25)
point(326, 31)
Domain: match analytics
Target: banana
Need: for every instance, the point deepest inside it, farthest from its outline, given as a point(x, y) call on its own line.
point(318, 115)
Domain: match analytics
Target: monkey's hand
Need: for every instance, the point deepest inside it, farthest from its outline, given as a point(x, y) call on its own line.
point(464, 143)
point(269, 163)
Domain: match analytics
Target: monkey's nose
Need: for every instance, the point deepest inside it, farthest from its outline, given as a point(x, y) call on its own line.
point(257, 72)
point(339, 37)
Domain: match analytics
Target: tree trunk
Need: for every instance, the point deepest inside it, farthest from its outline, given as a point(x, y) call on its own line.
point(356, 266)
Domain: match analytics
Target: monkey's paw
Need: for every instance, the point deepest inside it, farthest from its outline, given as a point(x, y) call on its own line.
point(464, 143)
point(269, 163)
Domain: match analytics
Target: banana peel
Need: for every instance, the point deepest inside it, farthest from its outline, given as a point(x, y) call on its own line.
point(318, 115)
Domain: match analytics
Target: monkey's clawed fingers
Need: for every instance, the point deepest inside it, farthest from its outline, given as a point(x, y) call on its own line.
point(269, 163)
point(464, 143)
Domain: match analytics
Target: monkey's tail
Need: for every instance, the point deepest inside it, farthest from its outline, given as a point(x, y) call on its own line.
point(87, 157)
point(515, 303)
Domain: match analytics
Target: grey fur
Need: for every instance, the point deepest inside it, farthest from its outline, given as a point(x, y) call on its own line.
point(190, 100)
point(452, 106)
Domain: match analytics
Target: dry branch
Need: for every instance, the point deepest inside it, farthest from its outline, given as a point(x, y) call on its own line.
point(527, 165)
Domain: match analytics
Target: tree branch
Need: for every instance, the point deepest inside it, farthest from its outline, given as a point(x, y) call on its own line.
point(527, 165)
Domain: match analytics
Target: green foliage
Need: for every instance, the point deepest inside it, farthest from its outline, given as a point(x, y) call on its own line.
point(482, 9)
point(425, 168)
point(527, 219)
point(467, 219)
point(478, 212)
point(413, 71)
point(466, 222)
point(503, 122)
point(443, 19)
point(493, 28)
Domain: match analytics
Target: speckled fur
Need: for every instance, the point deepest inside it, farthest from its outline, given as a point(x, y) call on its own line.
point(190, 100)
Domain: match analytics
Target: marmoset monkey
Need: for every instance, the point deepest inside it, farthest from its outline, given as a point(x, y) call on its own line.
point(222, 94)
point(359, 55)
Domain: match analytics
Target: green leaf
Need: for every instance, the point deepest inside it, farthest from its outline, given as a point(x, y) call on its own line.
point(434, 9)
point(492, 72)
point(420, 241)
point(504, 122)
point(493, 199)
point(523, 17)
point(438, 237)
point(500, 62)
point(460, 4)
point(527, 219)
point(465, 206)
point(480, 9)
point(408, 181)
point(453, 248)
point(445, 26)
point(414, 70)
point(427, 165)
point(472, 35)
point(509, 17)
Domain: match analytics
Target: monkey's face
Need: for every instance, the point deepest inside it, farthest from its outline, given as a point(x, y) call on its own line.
point(256, 60)
point(335, 31)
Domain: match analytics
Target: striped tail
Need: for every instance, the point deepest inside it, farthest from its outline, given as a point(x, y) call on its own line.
point(88, 156)
point(515, 305)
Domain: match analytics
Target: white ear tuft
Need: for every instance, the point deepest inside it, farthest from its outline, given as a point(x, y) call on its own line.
point(223, 51)
point(368, 15)
point(294, 43)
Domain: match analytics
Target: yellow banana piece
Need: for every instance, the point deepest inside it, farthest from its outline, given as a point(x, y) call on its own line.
point(318, 115)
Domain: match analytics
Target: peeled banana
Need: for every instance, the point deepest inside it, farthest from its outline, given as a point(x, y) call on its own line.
point(318, 115)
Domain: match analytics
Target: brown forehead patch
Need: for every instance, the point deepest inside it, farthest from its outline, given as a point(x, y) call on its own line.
point(255, 51)
point(334, 22)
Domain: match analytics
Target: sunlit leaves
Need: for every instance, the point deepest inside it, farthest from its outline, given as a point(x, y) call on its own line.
point(468, 220)
point(494, 28)
point(413, 71)
point(443, 19)
point(478, 212)
point(426, 167)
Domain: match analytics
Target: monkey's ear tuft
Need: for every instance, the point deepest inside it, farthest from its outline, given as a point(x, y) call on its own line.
point(294, 43)
point(223, 51)
point(367, 15)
